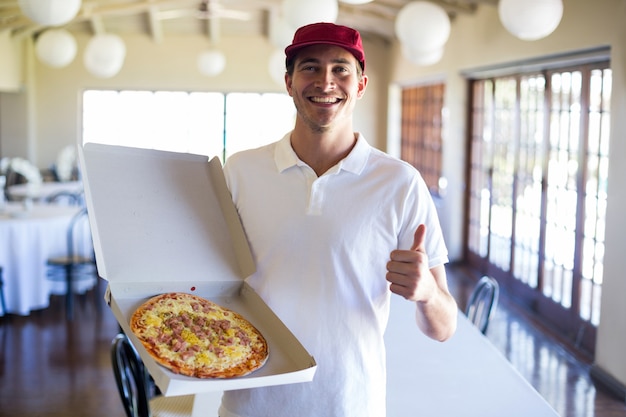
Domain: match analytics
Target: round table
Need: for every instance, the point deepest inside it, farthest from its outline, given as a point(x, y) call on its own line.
point(29, 236)
point(39, 192)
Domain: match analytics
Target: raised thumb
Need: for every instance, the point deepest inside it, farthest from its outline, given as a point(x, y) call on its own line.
point(418, 238)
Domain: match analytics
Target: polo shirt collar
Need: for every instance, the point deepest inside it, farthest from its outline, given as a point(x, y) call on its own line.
point(285, 157)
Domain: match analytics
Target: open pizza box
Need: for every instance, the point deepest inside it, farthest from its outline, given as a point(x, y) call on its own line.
point(165, 222)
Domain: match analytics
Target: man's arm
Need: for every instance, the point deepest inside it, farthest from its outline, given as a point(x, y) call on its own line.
point(436, 316)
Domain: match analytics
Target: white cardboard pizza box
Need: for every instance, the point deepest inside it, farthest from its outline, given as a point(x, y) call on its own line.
point(165, 222)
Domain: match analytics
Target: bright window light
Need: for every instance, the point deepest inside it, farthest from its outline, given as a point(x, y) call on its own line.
point(204, 123)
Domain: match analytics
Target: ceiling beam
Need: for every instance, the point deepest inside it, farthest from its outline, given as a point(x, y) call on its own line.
point(376, 18)
point(155, 25)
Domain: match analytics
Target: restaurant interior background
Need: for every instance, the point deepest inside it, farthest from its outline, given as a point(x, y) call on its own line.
point(41, 108)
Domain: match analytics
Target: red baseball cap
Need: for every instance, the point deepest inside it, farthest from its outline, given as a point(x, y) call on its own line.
point(328, 34)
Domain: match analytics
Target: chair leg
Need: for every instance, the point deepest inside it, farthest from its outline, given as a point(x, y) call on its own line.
point(96, 294)
point(2, 300)
point(69, 296)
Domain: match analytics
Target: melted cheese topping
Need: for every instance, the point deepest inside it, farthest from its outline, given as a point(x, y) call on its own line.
point(183, 332)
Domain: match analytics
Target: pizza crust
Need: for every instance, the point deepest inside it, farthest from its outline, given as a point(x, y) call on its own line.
point(193, 336)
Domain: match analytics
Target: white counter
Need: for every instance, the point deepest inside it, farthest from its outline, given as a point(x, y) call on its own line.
point(465, 376)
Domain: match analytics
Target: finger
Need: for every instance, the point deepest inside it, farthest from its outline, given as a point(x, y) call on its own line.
point(418, 239)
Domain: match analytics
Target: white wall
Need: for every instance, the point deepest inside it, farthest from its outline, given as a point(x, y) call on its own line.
point(12, 106)
point(10, 70)
point(611, 342)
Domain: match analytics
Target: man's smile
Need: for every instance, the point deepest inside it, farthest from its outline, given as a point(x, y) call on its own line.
point(325, 100)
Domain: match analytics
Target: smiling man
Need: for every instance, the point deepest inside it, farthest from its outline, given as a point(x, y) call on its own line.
point(336, 227)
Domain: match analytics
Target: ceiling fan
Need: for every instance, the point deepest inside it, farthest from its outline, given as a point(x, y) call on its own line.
point(208, 10)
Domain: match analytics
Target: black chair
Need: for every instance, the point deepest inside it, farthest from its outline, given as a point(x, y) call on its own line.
point(74, 266)
point(66, 198)
point(482, 303)
point(12, 178)
point(3, 302)
point(136, 386)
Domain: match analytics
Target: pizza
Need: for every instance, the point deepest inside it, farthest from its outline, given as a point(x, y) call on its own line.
point(193, 336)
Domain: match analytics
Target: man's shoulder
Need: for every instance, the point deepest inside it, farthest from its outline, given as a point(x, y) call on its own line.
point(377, 158)
point(381, 158)
point(251, 154)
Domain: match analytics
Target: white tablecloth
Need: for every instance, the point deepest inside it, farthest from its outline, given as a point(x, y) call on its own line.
point(27, 240)
point(39, 192)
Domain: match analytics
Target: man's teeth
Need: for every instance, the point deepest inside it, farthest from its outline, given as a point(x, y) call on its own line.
point(327, 100)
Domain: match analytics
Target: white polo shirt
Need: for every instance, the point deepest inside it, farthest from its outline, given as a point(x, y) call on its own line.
point(321, 245)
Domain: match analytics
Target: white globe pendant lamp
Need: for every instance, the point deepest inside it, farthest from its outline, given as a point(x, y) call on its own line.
point(56, 48)
point(281, 33)
point(104, 55)
point(50, 12)
point(530, 20)
point(423, 29)
point(422, 58)
point(303, 12)
point(211, 62)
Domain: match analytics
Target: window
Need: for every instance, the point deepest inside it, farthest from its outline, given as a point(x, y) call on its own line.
point(421, 132)
point(205, 123)
point(538, 174)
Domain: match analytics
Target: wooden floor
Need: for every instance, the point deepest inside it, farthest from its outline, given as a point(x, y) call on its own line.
point(52, 368)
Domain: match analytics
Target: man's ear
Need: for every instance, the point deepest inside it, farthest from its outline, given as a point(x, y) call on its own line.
point(288, 83)
point(362, 86)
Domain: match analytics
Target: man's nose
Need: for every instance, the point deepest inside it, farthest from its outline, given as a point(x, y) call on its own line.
point(325, 79)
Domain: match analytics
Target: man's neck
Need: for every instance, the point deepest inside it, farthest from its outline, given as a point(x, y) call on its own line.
point(322, 150)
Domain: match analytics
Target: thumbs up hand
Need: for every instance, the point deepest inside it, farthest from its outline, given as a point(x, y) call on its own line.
point(411, 278)
point(408, 272)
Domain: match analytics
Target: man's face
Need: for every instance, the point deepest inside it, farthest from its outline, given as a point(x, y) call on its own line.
point(325, 85)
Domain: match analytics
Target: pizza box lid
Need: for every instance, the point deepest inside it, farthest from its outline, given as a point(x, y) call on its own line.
point(165, 222)
point(158, 216)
